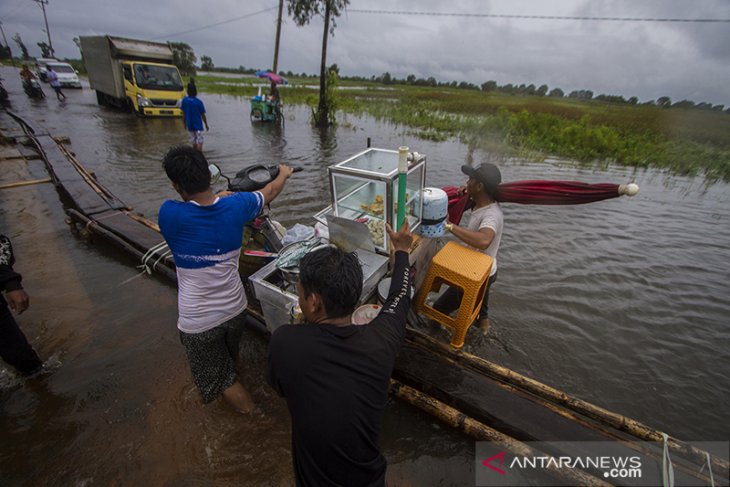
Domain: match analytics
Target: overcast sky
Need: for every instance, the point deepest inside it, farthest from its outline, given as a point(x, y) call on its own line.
point(645, 59)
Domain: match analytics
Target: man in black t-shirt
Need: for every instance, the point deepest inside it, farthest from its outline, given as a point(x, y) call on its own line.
point(333, 374)
point(14, 347)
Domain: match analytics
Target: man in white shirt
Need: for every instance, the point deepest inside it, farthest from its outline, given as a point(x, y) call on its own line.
point(55, 83)
point(483, 232)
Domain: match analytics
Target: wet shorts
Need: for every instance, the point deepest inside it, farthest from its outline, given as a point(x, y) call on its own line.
point(196, 137)
point(212, 357)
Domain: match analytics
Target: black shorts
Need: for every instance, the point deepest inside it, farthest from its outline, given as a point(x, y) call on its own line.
point(212, 357)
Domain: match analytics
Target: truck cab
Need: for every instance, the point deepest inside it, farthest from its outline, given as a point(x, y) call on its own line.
point(153, 89)
point(133, 74)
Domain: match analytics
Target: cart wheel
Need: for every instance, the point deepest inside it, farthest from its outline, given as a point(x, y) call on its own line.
point(256, 115)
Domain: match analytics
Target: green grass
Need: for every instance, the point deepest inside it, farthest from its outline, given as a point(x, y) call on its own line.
point(685, 141)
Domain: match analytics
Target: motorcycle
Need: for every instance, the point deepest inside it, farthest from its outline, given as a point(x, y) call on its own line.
point(3, 93)
point(248, 179)
point(32, 88)
point(262, 234)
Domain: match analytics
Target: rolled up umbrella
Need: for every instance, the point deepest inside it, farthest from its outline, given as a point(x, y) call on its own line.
point(543, 192)
point(560, 192)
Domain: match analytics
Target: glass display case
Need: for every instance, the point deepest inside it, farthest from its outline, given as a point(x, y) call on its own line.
point(365, 188)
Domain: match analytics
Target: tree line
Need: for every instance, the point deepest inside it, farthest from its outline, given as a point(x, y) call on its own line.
point(185, 60)
point(491, 86)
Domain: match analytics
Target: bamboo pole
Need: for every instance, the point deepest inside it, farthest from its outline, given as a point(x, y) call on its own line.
point(592, 411)
point(19, 184)
point(86, 175)
point(144, 221)
point(599, 427)
point(162, 269)
point(480, 431)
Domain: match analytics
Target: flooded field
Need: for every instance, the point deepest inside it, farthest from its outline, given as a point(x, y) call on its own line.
point(623, 303)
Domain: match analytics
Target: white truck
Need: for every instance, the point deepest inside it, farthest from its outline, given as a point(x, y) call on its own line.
point(133, 74)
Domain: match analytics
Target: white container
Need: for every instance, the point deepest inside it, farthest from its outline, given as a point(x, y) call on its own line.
point(365, 314)
point(435, 212)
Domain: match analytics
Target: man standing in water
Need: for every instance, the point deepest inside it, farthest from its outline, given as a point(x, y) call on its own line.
point(194, 116)
point(483, 232)
point(204, 232)
point(14, 347)
point(333, 374)
point(55, 84)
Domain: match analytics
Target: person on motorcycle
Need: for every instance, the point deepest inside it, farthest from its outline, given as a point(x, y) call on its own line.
point(26, 74)
point(204, 233)
point(31, 85)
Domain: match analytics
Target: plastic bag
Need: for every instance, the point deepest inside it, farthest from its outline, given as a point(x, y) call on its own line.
point(297, 233)
point(321, 230)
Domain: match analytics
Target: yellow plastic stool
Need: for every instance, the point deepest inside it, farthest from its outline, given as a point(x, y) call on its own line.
point(466, 269)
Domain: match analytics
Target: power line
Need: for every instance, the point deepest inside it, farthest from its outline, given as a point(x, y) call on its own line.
point(532, 17)
point(216, 24)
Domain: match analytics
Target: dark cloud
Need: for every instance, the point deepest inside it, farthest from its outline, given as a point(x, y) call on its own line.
point(648, 60)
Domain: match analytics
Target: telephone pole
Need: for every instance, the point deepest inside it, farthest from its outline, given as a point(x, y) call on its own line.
point(10, 53)
point(278, 35)
point(43, 4)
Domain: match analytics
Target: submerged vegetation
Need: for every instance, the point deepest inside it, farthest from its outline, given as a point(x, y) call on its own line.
point(685, 141)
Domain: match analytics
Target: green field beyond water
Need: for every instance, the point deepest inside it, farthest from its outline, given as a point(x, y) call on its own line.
point(684, 140)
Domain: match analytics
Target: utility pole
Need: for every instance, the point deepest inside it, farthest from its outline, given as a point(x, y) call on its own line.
point(10, 53)
point(278, 35)
point(43, 4)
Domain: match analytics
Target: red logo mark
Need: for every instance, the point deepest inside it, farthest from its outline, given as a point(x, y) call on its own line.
point(487, 463)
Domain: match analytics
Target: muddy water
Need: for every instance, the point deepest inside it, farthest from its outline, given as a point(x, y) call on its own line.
point(623, 303)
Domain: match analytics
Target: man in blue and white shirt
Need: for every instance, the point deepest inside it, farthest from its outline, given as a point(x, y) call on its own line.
point(194, 116)
point(205, 232)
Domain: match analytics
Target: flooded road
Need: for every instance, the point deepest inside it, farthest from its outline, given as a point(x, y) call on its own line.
point(623, 303)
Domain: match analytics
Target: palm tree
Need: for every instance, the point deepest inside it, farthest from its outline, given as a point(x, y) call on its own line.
point(303, 11)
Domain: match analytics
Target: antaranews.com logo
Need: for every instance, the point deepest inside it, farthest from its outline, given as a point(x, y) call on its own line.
point(583, 463)
point(612, 467)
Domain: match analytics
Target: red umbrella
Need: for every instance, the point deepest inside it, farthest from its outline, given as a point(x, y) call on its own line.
point(543, 193)
point(560, 192)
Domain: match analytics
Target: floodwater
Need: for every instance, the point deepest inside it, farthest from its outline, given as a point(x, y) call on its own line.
point(623, 303)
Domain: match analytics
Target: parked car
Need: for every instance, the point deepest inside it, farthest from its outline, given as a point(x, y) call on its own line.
point(40, 65)
point(67, 75)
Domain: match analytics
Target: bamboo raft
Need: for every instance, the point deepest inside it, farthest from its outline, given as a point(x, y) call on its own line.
point(483, 400)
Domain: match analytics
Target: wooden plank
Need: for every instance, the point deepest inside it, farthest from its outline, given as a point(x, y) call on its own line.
point(8, 153)
point(131, 230)
point(88, 201)
point(561, 401)
point(456, 419)
point(94, 227)
point(25, 183)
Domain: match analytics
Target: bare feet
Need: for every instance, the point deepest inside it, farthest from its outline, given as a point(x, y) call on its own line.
point(483, 324)
point(238, 397)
